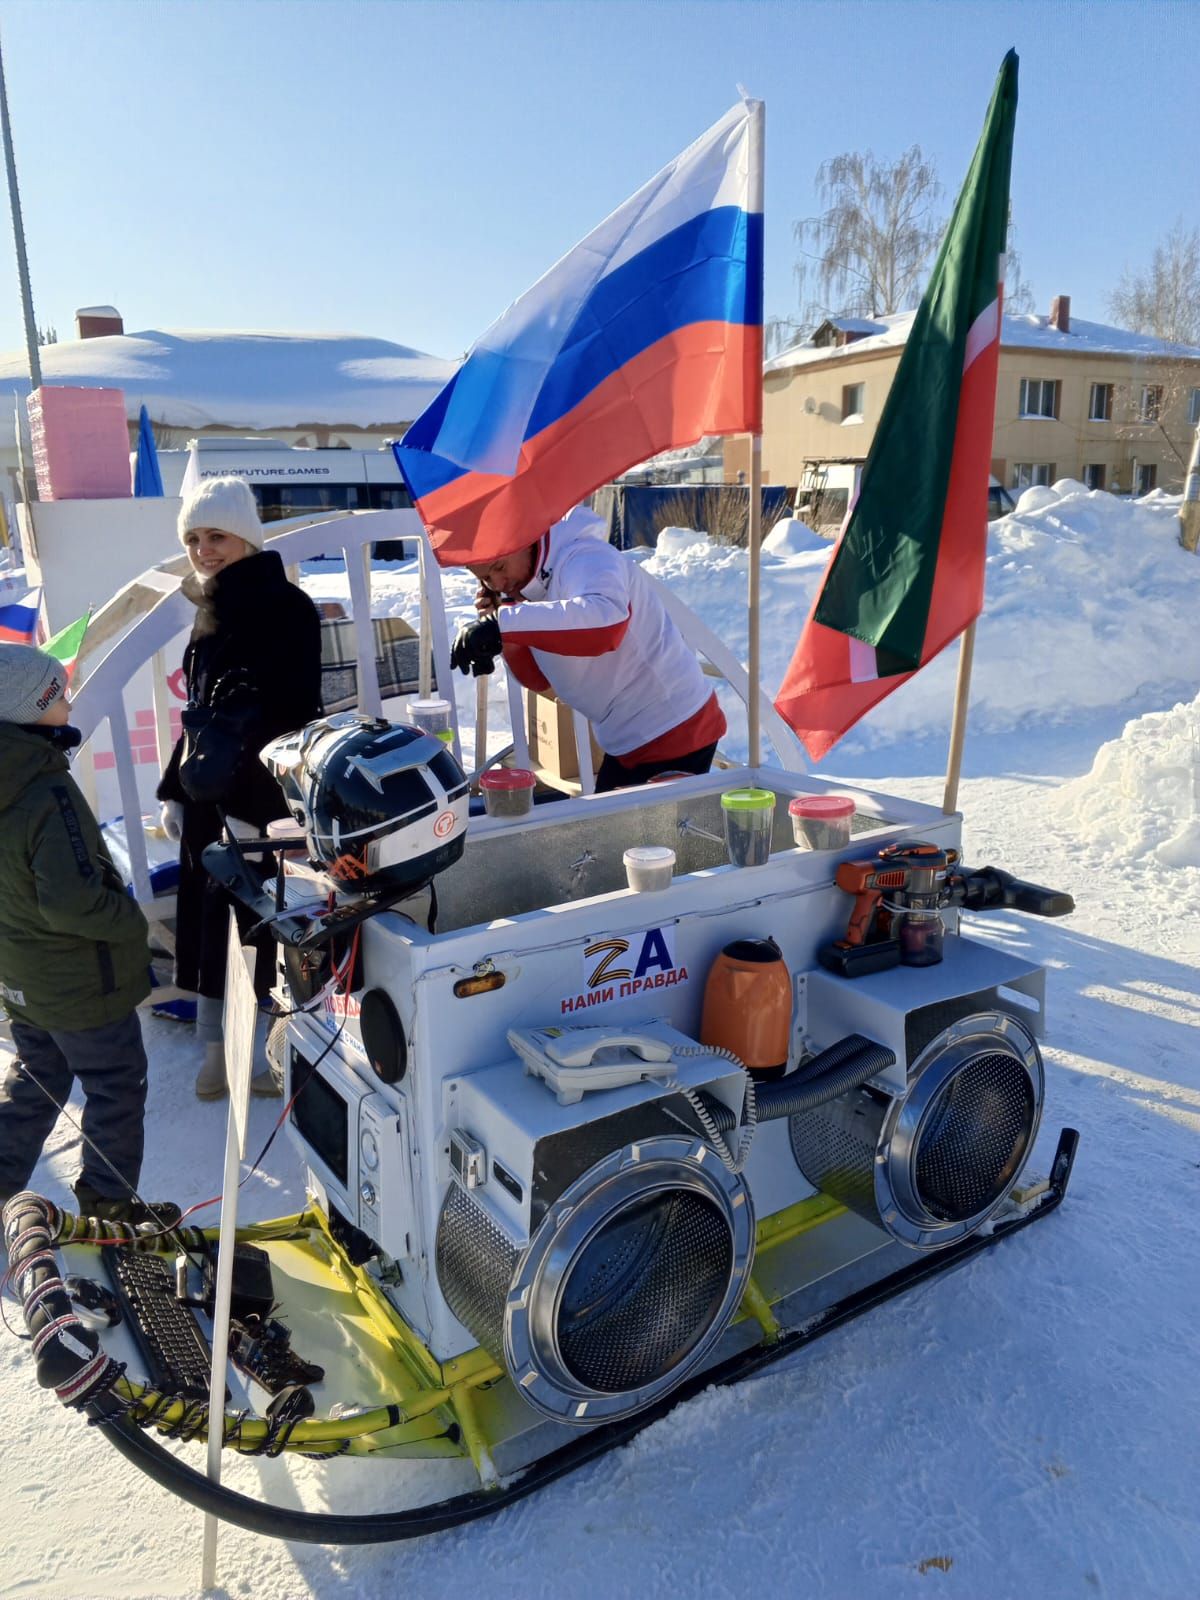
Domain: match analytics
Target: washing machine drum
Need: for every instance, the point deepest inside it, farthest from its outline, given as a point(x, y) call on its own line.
point(384, 805)
point(627, 1283)
point(931, 1165)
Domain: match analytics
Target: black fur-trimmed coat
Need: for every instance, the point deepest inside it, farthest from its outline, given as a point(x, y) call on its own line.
point(258, 634)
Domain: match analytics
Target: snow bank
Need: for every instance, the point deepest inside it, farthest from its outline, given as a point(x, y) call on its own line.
point(1142, 796)
point(792, 537)
point(1083, 599)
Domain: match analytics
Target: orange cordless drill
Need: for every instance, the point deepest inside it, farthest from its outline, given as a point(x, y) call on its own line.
point(898, 896)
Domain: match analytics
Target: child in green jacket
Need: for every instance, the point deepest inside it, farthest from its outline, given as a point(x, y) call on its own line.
point(74, 960)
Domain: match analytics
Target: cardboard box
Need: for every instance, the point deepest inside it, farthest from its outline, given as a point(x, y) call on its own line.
point(551, 728)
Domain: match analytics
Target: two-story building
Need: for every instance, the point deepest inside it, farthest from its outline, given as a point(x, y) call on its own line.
point(1074, 399)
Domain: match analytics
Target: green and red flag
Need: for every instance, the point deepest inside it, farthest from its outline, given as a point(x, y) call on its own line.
point(68, 642)
point(906, 576)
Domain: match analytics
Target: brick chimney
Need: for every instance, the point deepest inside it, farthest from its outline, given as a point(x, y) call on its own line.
point(94, 322)
point(1060, 313)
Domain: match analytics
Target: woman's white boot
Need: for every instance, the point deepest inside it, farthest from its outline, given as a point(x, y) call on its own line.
point(210, 1080)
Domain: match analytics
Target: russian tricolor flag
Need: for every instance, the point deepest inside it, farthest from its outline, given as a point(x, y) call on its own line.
point(645, 337)
point(19, 619)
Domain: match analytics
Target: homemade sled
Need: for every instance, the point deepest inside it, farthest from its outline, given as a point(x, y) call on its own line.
point(529, 1235)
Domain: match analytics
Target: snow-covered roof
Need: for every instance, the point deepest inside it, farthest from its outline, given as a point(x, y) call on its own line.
point(1017, 333)
point(241, 378)
point(861, 325)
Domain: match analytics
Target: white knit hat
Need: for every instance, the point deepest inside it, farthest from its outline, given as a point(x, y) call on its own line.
point(224, 503)
point(30, 682)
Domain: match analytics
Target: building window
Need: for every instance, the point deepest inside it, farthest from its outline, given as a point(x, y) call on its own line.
point(1151, 408)
point(1194, 407)
point(1039, 397)
point(1100, 409)
point(1026, 474)
point(1147, 478)
point(1093, 472)
point(852, 401)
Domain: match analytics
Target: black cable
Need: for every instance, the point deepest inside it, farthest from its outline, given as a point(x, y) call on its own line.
point(167, 1232)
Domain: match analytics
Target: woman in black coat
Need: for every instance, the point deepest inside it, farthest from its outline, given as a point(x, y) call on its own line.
point(255, 648)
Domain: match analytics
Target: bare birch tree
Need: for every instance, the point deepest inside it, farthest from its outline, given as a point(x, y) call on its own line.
point(1164, 300)
point(1018, 295)
point(868, 252)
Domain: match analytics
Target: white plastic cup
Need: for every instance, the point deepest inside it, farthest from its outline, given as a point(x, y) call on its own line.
point(649, 867)
point(431, 715)
point(291, 836)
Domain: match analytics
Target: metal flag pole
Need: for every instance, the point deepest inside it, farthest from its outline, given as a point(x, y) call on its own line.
point(754, 539)
point(14, 205)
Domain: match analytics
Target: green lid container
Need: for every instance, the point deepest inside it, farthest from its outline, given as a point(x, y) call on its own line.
point(748, 800)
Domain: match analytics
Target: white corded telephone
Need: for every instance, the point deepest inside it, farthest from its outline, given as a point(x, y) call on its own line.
point(572, 1061)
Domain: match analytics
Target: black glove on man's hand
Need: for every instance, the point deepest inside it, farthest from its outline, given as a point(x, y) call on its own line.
point(476, 646)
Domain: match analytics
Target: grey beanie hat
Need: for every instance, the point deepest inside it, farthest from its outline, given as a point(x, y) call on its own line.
point(30, 682)
point(224, 503)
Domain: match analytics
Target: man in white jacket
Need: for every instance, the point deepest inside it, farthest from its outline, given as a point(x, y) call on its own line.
point(573, 615)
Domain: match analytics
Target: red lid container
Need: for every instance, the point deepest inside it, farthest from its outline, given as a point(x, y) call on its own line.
point(823, 806)
point(507, 778)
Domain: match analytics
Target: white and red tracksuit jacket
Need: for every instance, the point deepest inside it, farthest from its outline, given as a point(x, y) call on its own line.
point(590, 626)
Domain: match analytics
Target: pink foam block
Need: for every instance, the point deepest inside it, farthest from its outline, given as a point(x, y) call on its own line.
point(80, 443)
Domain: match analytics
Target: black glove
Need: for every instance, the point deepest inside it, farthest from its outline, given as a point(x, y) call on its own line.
point(476, 646)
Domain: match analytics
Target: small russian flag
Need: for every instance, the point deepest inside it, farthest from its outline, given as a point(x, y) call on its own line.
point(19, 619)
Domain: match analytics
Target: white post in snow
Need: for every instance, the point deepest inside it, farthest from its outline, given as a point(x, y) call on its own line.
point(241, 1010)
point(754, 540)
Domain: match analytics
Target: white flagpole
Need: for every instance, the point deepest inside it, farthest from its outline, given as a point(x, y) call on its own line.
point(241, 1010)
point(754, 541)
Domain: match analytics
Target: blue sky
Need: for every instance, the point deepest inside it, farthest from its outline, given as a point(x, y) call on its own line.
point(407, 169)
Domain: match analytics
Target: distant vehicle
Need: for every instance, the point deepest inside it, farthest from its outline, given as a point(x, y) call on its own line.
point(1000, 502)
point(824, 495)
point(292, 482)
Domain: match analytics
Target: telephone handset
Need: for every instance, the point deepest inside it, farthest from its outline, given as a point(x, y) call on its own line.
point(573, 1060)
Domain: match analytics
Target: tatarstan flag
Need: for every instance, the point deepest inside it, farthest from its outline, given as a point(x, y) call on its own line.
point(68, 642)
point(906, 576)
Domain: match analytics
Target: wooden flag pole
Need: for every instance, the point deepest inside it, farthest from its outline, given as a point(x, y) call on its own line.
point(754, 537)
point(958, 723)
point(753, 664)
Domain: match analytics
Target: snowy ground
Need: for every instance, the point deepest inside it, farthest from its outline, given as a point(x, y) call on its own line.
point(1025, 1427)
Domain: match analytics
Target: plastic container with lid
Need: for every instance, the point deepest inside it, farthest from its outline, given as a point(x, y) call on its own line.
point(649, 866)
point(508, 791)
point(292, 838)
point(431, 715)
point(821, 821)
point(749, 815)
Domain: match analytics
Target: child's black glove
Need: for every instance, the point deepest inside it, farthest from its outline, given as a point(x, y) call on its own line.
point(476, 646)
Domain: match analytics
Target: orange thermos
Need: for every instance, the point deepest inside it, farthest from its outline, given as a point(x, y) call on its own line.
point(748, 1005)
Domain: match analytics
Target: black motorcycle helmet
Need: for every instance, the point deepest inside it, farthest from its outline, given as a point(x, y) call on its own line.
point(383, 805)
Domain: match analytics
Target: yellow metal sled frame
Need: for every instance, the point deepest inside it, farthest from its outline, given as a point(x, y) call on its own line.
point(433, 1413)
point(441, 1397)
